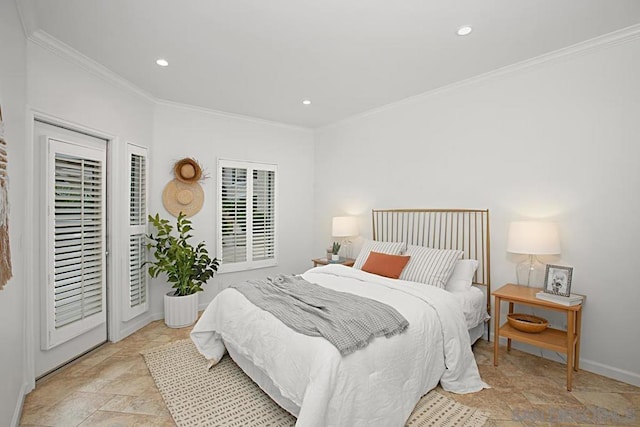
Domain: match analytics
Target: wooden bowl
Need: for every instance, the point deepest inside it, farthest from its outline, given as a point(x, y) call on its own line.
point(527, 322)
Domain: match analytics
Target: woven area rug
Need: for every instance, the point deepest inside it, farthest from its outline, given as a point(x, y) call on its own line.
point(226, 396)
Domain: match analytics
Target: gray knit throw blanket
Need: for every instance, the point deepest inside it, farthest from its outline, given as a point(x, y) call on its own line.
point(347, 321)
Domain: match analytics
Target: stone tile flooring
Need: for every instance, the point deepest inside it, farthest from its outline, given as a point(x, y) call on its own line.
point(111, 386)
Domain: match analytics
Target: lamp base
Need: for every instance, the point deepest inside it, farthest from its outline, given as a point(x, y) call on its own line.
point(530, 272)
point(346, 244)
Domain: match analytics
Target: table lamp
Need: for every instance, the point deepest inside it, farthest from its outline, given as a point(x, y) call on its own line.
point(532, 238)
point(345, 226)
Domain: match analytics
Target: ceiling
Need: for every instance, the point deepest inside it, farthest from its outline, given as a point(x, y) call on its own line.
point(262, 58)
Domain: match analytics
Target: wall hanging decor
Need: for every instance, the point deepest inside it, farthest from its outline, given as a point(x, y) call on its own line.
point(5, 251)
point(180, 197)
point(184, 193)
point(188, 170)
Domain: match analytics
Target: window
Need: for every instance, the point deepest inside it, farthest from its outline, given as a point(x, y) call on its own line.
point(246, 215)
point(135, 298)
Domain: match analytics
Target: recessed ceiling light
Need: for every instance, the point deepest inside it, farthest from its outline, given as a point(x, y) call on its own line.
point(307, 102)
point(162, 62)
point(465, 30)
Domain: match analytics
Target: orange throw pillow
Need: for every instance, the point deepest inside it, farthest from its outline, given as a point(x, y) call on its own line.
point(385, 265)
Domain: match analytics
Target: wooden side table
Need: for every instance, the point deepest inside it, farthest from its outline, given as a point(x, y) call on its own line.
point(567, 342)
point(323, 261)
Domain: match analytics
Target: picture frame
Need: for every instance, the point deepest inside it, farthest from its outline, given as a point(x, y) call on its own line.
point(557, 280)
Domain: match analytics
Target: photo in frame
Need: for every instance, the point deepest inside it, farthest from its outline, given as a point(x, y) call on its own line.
point(557, 280)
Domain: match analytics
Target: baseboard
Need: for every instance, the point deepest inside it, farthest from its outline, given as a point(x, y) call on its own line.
point(610, 372)
point(136, 324)
point(585, 364)
point(156, 316)
point(17, 412)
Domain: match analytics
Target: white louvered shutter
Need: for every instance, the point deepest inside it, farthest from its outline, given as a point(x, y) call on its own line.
point(264, 215)
point(136, 296)
point(76, 240)
point(233, 214)
point(246, 215)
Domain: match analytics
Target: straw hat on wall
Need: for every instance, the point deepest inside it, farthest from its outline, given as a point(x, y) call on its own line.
point(187, 170)
point(182, 197)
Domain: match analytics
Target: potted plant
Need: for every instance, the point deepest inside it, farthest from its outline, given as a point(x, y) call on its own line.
point(187, 268)
point(335, 250)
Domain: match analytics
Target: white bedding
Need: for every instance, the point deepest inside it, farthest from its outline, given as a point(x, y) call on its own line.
point(474, 306)
point(376, 386)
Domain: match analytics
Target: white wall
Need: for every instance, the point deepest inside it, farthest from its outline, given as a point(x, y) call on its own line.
point(12, 99)
point(206, 136)
point(558, 140)
point(62, 87)
point(66, 90)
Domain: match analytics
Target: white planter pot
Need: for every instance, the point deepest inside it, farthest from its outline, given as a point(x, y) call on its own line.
point(335, 257)
point(180, 311)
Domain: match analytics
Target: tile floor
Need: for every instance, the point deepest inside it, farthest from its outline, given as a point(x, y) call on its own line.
point(111, 386)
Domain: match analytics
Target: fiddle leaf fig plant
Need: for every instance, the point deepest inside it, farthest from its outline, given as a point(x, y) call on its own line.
point(187, 267)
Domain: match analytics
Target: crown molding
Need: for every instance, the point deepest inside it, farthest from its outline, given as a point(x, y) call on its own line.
point(607, 40)
point(224, 114)
point(45, 40)
point(63, 50)
point(27, 17)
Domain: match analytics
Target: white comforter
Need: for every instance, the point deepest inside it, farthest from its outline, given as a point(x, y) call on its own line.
point(375, 386)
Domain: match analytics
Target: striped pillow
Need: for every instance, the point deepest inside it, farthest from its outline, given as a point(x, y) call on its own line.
point(430, 266)
point(391, 248)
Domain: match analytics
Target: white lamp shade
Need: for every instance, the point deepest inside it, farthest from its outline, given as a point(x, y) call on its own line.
point(344, 226)
point(533, 238)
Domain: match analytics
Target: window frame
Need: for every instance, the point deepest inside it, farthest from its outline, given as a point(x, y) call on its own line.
point(249, 264)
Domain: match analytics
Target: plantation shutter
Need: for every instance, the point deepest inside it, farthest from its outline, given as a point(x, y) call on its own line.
point(234, 214)
point(264, 219)
point(76, 240)
point(246, 215)
point(136, 298)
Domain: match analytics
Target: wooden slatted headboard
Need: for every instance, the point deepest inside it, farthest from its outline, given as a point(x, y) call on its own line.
point(462, 229)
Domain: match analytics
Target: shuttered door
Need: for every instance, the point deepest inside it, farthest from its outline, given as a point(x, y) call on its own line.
point(76, 218)
point(136, 301)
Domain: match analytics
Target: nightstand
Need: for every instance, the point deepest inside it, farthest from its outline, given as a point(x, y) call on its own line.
point(567, 342)
point(323, 261)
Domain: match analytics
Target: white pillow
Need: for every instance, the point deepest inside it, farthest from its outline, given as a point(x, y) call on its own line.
point(390, 248)
point(430, 266)
point(462, 277)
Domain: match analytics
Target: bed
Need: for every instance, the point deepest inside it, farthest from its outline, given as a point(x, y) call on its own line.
point(462, 229)
point(379, 384)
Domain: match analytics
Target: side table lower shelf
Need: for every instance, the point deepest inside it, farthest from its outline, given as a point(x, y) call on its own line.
point(550, 339)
